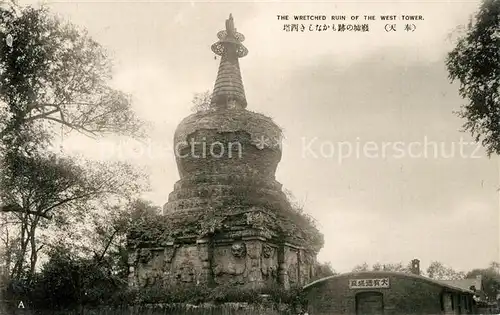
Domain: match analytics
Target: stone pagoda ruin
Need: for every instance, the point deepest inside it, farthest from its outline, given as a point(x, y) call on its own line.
point(227, 220)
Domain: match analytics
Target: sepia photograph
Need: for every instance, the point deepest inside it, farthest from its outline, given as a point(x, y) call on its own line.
point(249, 157)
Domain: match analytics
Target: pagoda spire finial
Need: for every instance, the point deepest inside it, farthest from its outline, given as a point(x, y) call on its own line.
point(230, 25)
point(228, 90)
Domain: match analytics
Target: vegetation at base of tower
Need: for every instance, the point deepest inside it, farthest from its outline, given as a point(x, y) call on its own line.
point(197, 294)
point(474, 63)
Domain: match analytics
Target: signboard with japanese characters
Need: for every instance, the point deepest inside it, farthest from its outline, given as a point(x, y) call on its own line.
point(379, 283)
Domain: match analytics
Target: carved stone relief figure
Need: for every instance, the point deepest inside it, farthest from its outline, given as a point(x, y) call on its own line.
point(239, 250)
point(132, 269)
point(150, 266)
point(229, 268)
point(269, 271)
point(169, 253)
point(152, 278)
point(133, 258)
point(168, 256)
point(306, 263)
point(267, 251)
point(255, 218)
point(157, 260)
point(185, 272)
point(254, 275)
point(269, 264)
point(229, 265)
point(204, 255)
point(254, 249)
point(142, 268)
point(144, 276)
point(292, 260)
point(145, 256)
point(293, 273)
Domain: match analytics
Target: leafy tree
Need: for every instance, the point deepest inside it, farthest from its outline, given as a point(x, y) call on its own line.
point(324, 270)
point(54, 74)
point(9, 242)
point(397, 267)
point(73, 278)
point(110, 233)
point(438, 271)
point(377, 267)
point(43, 190)
point(363, 267)
point(67, 281)
point(491, 279)
point(474, 62)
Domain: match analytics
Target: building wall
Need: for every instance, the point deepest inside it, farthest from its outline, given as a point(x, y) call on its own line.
point(405, 295)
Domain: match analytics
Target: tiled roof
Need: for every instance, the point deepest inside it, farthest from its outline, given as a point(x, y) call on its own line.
point(465, 283)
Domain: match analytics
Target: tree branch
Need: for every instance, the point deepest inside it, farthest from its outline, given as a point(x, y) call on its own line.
point(43, 115)
point(107, 246)
point(17, 208)
point(78, 128)
point(70, 199)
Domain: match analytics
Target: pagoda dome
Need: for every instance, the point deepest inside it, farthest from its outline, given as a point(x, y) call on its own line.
point(229, 140)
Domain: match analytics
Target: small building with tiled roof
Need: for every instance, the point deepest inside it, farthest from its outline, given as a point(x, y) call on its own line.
point(387, 293)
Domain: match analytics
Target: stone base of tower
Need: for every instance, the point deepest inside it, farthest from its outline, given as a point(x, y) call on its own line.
point(250, 262)
point(225, 229)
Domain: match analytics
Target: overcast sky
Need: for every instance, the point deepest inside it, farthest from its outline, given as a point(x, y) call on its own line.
point(370, 89)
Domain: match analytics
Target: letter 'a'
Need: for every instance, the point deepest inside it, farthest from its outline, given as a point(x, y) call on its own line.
point(21, 305)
